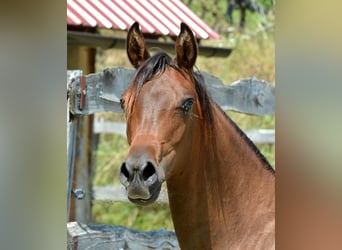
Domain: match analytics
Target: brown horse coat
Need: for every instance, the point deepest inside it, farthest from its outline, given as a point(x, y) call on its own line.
point(221, 189)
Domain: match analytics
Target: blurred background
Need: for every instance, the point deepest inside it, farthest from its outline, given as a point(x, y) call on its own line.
point(308, 106)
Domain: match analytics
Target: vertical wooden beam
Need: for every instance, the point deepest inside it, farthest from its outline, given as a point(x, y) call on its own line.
point(82, 58)
point(71, 135)
point(82, 177)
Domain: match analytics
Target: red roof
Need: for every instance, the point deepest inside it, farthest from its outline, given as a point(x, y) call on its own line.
point(155, 16)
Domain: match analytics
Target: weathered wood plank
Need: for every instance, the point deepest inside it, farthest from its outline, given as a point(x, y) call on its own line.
point(251, 96)
point(115, 193)
point(261, 136)
point(104, 237)
point(258, 136)
point(104, 90)
point(101, 126)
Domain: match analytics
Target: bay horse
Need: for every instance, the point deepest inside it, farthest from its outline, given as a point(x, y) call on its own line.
point(221, 189)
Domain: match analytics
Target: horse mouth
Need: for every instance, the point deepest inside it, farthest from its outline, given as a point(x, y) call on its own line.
point(154, 191)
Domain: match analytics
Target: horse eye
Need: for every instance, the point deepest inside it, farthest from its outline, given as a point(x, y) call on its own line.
point(122, 104)
point(187, 105)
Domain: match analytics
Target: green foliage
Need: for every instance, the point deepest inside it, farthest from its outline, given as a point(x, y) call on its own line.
point(214, 13)
point(153, 217)
point(111, 152)
point(252, 56)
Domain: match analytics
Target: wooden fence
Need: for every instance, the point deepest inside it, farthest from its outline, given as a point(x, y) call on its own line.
point(101, 92)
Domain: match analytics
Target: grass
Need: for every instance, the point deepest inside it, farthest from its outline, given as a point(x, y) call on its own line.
point(253, 55)
point(154, 217)
point(111, 152)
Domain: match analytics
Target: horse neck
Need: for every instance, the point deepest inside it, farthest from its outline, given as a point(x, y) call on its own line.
point(215, 198)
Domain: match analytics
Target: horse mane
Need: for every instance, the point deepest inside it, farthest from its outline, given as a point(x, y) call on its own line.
point(250, 143)
point(206, 99)
point(152, 67)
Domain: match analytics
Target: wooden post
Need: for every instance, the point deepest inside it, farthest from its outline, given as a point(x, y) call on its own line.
point(82, 58)
point(72, 77)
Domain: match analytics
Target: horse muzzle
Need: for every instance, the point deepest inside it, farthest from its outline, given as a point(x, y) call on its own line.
point(141, 181)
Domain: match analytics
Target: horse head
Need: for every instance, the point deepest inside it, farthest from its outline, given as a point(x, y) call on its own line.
point(160, 106)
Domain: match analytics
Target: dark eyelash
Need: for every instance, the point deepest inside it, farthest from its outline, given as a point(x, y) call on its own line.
point(122, 104)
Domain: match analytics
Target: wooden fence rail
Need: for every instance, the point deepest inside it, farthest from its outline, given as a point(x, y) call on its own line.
point(258, 136)
point(102, 91)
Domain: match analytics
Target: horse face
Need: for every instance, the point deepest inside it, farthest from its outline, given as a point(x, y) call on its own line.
point(159, 115)
point(159, 120)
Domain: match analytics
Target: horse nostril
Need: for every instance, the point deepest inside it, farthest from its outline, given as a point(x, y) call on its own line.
point(124, 170)
point(148, 171)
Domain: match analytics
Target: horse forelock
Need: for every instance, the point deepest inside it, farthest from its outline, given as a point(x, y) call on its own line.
point(152, 67)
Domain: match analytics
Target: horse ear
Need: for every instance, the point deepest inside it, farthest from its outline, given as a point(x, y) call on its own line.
point(136, 49)
point(186, 47)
